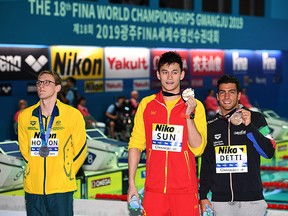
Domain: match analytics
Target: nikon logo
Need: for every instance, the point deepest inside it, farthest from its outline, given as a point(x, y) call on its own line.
point(164, 128)
point(69, 64)
point(228, 150)
point(38, 135)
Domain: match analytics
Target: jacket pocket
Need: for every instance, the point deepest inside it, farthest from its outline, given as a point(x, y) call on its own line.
point(187, 163)
point(148, 162)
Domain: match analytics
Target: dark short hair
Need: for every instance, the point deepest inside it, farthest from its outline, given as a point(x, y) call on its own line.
point(228, 79)
point(55, 75)
point(170, 58)
point(121, 97)
point(82, 98)
point(210, 90)
point(72, 80)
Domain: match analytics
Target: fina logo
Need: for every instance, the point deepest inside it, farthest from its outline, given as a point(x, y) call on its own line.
point(268, 63)
point(239, 63)
point(36, 64)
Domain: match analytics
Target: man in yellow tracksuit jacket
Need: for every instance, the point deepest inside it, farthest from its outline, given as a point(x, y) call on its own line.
point(52, 140)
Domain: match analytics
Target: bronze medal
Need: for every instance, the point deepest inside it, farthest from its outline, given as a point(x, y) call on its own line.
point(236, 118)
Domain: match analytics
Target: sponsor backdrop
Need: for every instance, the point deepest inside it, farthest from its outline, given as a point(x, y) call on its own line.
point(104, 73)
point(112, 49)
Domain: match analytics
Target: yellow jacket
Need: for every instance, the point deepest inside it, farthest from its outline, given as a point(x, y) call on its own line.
point(55, 173)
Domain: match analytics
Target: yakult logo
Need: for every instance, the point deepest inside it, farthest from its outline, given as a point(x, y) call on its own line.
point(141, 84)
point(123, 63)
point(127, 62)
point(114, 86)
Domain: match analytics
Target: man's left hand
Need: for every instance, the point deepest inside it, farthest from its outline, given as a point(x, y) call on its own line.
point(246, 116)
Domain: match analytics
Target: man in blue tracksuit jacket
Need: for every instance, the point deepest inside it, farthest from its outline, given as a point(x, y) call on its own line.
point(230, 166)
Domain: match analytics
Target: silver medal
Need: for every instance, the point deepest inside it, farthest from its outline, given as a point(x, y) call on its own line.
point(189, 92)
point(236, 118)
point(44, 151)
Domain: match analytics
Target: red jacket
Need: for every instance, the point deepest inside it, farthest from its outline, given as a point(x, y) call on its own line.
point(166, 171)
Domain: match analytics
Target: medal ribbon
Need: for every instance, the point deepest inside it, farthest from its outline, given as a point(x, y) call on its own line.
point(169, 94)
point(45, 136)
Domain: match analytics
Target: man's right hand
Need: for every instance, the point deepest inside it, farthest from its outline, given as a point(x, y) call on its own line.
point(203, 205)
point(132, 190)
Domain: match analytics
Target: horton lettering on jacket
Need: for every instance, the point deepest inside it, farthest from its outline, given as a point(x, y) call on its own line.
point(37, 142)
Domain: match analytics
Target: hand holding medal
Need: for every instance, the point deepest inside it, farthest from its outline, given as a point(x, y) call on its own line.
point(245, 116)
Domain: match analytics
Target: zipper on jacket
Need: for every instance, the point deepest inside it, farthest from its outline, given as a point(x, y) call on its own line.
point(230, 174)
point(44, 174)
point(166, 172)
point(167, 152)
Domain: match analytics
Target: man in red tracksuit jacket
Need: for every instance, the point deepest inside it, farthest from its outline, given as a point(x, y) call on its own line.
point(172, 131)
